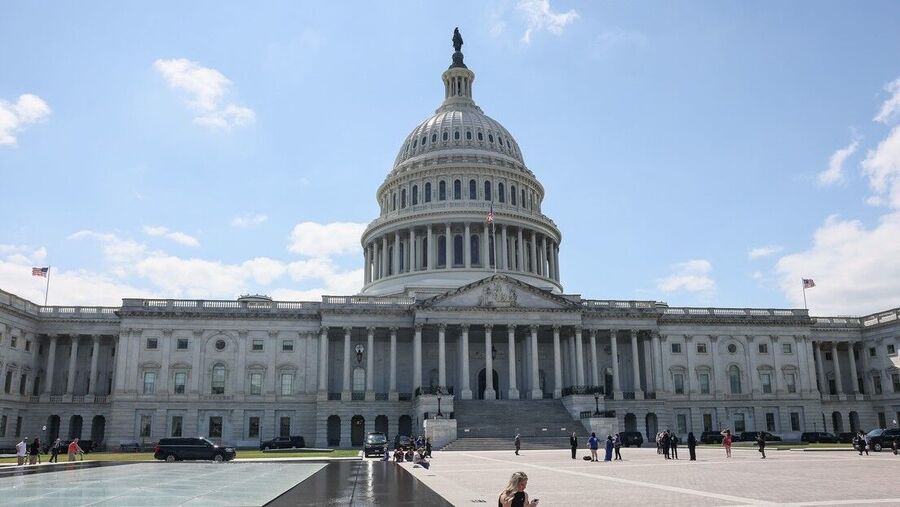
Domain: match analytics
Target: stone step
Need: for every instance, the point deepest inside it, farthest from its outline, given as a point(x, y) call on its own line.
point(499, 444)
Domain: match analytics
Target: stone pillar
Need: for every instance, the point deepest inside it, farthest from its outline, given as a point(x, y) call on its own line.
point(413, 262)
point(162, 383)
point(556, 260)
point(579, 354)
point(544, 255)
point(571, 365)
point(854, 381)
point(504, 256)
point(442, 355)
point(752, 371)
point(534, 261)
point(595, 369)
point(466, 392)
point(429, 253)
point(520, 251)
point(811, 366)
point(448, 248)
point(395, 259)
point(73, 359)
point(417, 358)
point(95, 355)
point(485, 249)
point(838, 381)
point(820, 372)
point(366, 263)
point(657, 353)
point(802, 365)
point(557, 365)
point(323, 360)
point(370, 363)
point(613, 338)
point(489, 392)
point(536, 392)
point(51, 366)
point(636, 364)
point(345, 385)
point(385, 259)
point(467, 247)
point(776, 373)
point(513, 392)
point(716, 386)
point(688, 352)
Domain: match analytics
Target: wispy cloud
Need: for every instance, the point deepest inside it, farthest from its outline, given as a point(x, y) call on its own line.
point(248, 220)
point(177, 236)
point(206, 88)
point(14, 116)
point(835, 172)
point(540, 16)
point(690, 276)
point(321, 240)
point(891, 106)
point(763, 251)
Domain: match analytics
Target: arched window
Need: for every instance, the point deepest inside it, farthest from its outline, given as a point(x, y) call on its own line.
point(415, 195)
point(424, 262)
point(523, 197)
point(474, 250)
point(434, 137)
point(445, 136)
point(457, 250)
point(359, 379)
point(487, 190)
point(424, 138)
point(512, 194)
point(390, 264)
point(468, 135)
point(442, 251)
point(501, 195)
point(480, 136)
point(402, 259)
point(457, 190)
point(456, 136)
point(491, 138)
point(734, 378)
point(442, 191)
point(217, 386)
point(428, 192)
point(473, 190)
point(403, 198)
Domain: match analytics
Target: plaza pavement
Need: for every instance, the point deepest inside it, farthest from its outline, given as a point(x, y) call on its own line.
point(645, 478)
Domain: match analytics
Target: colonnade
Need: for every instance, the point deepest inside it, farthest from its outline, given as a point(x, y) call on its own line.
point(75, 340)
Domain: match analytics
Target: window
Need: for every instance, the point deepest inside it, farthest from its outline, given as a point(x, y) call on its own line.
point(763, 348)
point(181, 344)
point(257, 345)
point(176, 425)
point(512, 194)
point(218, 380)
point(473, 190)
point(676, 348)
point(701, 348)
point(872, 352)
point(7, 384)
point(253, 427)
point(256, 383)
point(445, 136)
point(766, 380)
point(442, 251)
point(415, 195)
point(428, 192)
point(791, 382)
point(681, 423)
point(491, 138)
point(28, 346)
point(37, 386)
point(876, 382)
point(19, 425)
point(832, 387)
point(13, 340)
point(707, 422)
point(220, 345)
point(770, 421)
point(480, 136)
point(828, 356)
point(152, 343)
point(895, 378)
point(468, 135)
point(475, 250)
point(180, 381)
point(284, 427)
point(458, 250)
point(678, 380)
point(795, 421)
point(403, 198)
point(704, 383)
point(215, 427)
point(786, 348)
point(734, 378)
point(457, 190)
point(882, 421)
point(739, 426)
point(287, 384)
point(149, 382)
point(501, 194)
point(394, 201)
point(523, 197)
point(487, 190)
point(890, 348)
point(22, 381)
point(359, 379)
point(442, 191)
point(732, 348)
point(3, 426)
point(145, 425)
point(434, 137)
point(287, 346)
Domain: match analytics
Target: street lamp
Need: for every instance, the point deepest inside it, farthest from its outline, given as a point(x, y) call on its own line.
point(439, 414)
point(596, 404)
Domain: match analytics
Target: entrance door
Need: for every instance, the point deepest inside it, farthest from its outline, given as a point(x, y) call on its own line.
point(482, 381)
point(357, 430)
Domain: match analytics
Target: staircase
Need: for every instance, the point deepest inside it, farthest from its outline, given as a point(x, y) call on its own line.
point(493, 424)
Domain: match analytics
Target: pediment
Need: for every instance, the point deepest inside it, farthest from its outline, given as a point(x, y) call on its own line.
point(500, 292)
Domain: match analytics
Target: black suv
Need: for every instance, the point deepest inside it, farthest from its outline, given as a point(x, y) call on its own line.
point(882, 438)
point(630, 438)
point(751, 436)
point(376, 443)
point(172, 449)
point(818, 437)
point(403, 442)
point(711, 437)
point(283, 443)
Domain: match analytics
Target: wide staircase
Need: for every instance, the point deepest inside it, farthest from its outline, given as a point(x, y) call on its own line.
point(493, 424)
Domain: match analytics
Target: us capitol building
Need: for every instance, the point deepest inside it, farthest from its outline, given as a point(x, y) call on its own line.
point(462, 329)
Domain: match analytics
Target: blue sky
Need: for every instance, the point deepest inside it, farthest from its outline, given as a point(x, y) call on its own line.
point(698, 153)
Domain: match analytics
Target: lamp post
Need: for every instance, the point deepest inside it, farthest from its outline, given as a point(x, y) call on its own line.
point(597, 404)
point(439, 414)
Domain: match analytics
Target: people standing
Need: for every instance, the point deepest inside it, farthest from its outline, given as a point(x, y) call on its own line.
point(609, 448)
point(21, 451)
point(34, 452)
point(761, 442)
point(514, 495)
point(573, 443)
point(617, 444)
point(664, 442)
point(428, 447)
point(726, 442)
point(518, 443)
point(54, 451)
point(673, 445)
point(74, 449)
point(692, 446)
point(594, 444)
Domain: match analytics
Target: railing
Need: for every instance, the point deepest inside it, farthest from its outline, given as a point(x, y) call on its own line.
point(217, 397)
point(213, 305)
point(881, 318)
point(76, 312)
point(56, 398)
point(358, 396)
point(613, 304)
point(831, 397)
point(23, 304)
point(650, 396)
point(583, 390)
point(78, 398)
point(434, 391)
point(381, 396)
point(404, 396)
point(459, 205)
point(334, 396)
point(736, 397)
point(369, 300)
point(736, 312)
point(628, 395)
point(839, 321)
point(101, 399)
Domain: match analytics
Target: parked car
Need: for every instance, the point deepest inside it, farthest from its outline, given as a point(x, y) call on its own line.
point(403, 442)
point(751, 436)
point(176, 449)
point(818, 437)
point(881, 438)
point(711, 437)
point(846, 437)
point(283, 443)
point(376, 443)
point(631, 438)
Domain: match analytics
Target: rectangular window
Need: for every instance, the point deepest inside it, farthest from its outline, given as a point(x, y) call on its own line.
point(765, 380)
point(149, 382)
point(180, 381)
point(856, 354)
point(257, 345)
point(786, 348)
point(676, 348)
point(287, 346)
point(181, 344)
point(19, 425)
point(284, 427)
point(872, 352)
point(891, 348)
point(895, 378)
point(681, 423)
point(739, 426)
point(795, 421)
point(704, 383)
point(176, 425)
point(3, 426)
point(707, 422)
point(13, 340)
point(763, 348)
point(882, 421)
point(253, 427)
point(215, 427)
point(287, 384)
point(7, 384)
point(770, 421)
point(679, 383)
point(28, 346)
point(701, 348)
point(145, 425)
point(790, 381)
point(832, 387)
point(876, 382)
point(22, 381)
point(152, 343)
point(256, 384)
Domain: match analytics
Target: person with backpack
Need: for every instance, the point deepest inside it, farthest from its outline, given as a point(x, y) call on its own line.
point(594, 444)
point(617, 444)
point(761, 442)
point(55, 448)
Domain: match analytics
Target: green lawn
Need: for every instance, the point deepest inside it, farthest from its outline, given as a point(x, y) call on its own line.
point(148, 456)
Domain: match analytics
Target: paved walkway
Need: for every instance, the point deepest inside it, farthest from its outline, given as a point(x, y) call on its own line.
point(645, 478)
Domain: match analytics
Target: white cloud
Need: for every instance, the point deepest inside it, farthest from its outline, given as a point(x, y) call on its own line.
point(179, 237)
point(891, 106)
point(249, 220)
point(155, 230)
point(116, 250)
point(15, 116)
point(206, 88)
point(763, 251)
point(835, 172)
point(541, 17)
point(882, 167)
point(321, 240)
point(690, 276)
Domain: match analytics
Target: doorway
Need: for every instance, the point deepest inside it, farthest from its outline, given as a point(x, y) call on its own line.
point(482, 381)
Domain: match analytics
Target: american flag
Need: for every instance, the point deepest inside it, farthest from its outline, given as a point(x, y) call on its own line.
point(808, 283)
point(490, 215)
point(39, 271)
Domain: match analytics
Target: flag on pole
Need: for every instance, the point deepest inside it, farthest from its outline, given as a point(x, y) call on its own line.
point(490, 215)
point(40, 271)
point(808, 283)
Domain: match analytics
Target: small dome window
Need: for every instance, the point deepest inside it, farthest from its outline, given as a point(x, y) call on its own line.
point(456, 135)
point(500, 141)
point(491, 138)
point(468, 135)
point(433, 137)
point(415, 143)
point(424, 139)
point(480, 136)
point(445, 136)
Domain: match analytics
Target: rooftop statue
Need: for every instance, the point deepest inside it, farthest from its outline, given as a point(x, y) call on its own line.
point(457, 40)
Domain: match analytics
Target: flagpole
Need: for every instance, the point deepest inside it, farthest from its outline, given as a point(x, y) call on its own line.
point(494, 241)
point(804, 294)
point(47, 288)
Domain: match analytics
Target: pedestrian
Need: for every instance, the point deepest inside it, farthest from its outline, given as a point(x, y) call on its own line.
point(866, 442)
point(514, 495)
point(692, 446)
point(726, 442)
point(894, 446)
point(617, 444)
point(859, 442)
point(573, 443)
point(664, 442)
point(54, 451)
point(594, 444)
point(609, 448)
point(761, 442)
point(659, 443)
point(74, 449)
point(518, 443)
point(428, 447)
point(673, 445)
point(34, 452)
point(21, 451)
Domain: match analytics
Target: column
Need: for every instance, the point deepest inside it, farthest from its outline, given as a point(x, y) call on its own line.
point(572, 365)
point(448, 248)
point(384, 256)
point(690, 388)
point(617, 389)
point(802, 365)
point(489, 393)
point(716, 388)
point(752, 372)
point(366, 263)
point(556, 261)
point(820, 373)
point(73, 357)
point(544, 262)
point(505, 249)
point(557, 365)
point(636, 364)
point(51, 366)
point(854, 381)
point(513, 392)
point(346, 386)
point(370, 363)
point(838, 382)
point(648, 367)
point(520, 252)
point(392, 383)
point(811, 365)
point(417, 358)
point(323, 360)
point(485, 249)
point(657, 355)
point(467, 247)
point(442, 355)
point(595, 369)
point(776, 373)
point(466, 392)
point(413, 262)
point(395, 259)
point(536, 392)
point(430, 250)
point(534, 261)
point(579, 351)
point(162, 383)
point(95, 355)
